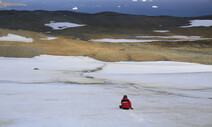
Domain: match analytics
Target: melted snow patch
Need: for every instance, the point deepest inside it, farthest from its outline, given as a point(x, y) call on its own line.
point(16, 38)
point(178, 37)
point(120, 40)
point(62, 25)
point(161, 31)
point(197, 23)
point(49, 38)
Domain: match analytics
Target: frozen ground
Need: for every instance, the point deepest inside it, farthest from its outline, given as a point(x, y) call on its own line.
point(197, 23)
point(17, 38)
point(62, 25)
point(54, 91)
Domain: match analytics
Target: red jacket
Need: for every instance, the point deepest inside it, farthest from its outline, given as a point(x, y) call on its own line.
point(125, 102)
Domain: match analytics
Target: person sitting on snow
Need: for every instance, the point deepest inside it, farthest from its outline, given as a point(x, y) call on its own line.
point(125, 103)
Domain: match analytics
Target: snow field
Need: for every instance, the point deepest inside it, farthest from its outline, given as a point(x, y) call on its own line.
point(162, 93)
point(59, 104)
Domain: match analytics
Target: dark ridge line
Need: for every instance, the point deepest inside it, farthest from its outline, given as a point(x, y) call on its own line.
point(109, 13)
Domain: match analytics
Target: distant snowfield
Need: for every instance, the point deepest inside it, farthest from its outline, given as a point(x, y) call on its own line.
point(197, 23)
point(62, 25)
point(17, 38)
point(82, 92)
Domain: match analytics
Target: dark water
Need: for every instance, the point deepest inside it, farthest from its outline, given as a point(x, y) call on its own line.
point(138, 7)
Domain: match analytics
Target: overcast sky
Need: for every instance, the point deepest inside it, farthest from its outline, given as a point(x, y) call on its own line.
point(140, 7)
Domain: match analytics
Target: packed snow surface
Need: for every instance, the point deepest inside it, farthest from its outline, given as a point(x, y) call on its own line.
point(197, 23)
point(62, 25)
point(120, 40)
point(16, 38)
point(66, 91)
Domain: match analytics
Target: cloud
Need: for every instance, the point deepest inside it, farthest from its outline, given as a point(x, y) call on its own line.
point(6, 4)
point(134, 0)
point(143, 0)
point(154, 6)
point(75, 8)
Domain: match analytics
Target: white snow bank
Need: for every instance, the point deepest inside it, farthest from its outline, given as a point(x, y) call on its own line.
point(49, 38)
point(62, 25)
point(17, 38)
point(161, 31)
point(120, 40)
point(197, 23)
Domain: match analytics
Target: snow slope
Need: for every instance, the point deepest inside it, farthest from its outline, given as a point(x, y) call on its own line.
point(82, 92)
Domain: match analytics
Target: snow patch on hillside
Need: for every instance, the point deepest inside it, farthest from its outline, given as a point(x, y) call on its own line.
point(62, 25)
point(120, 40)
point(16, 38)
point(197, 23)
point(49, 38)
point(161, 31)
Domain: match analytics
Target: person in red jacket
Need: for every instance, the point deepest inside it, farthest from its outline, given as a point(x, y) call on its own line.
point(125, 103)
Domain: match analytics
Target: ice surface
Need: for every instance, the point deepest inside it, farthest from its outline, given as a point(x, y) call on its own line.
point(16, 38)
point(197, 23)
point(46, 96)
point(62, 25)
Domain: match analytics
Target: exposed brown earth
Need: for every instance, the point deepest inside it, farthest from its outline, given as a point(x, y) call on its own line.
point(197, 52)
